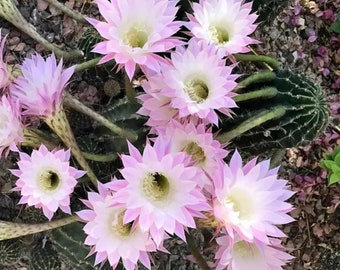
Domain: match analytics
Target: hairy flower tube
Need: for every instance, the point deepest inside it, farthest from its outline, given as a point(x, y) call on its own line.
point(11, 128)
point(250, 199)
point(112, 239)
point(134, 31)
point(239, 254)
point(46, 180)
point(42, 96)
point(225, 23)
point(4, 74)
point(197, 82)
point(160, 190)
point(39, 88)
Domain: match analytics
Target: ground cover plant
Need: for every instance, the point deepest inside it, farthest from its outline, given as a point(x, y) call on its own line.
point(186, 139)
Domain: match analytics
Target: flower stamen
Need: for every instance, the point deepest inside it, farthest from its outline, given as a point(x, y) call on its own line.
point(135, 37)
point(155, 186)
point(119, 228)
point(49, 180)
point(219, 34)
point(196, 152)
point(197, 90)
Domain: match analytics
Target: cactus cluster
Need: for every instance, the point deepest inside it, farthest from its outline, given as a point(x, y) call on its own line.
point(304, 114)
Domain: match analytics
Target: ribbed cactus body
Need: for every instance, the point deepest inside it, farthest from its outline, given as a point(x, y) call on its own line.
point(305, 118)
point(69, 242)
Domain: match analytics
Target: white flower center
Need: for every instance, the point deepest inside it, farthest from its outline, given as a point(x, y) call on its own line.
point(118, 227)
point(136, 37)
point(246, 251)
point(241, 202)
point(155, 186)
point(196, 152)
point(197, 90)
point(219, 34)
point(48, 180)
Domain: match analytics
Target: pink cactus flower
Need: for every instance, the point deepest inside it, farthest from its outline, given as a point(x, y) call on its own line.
point(198, 82)
point(238, 254)
point(112, 239)
point(134, 31)
point(39, 88)
point(250, 199)
point(46, 180)
point(198, 143)
point(225, 23)
point(11, 128)
point(160, 190)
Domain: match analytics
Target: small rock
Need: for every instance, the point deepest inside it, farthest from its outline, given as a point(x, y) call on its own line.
point(19, 47)
point(13, 41)
point(50, 37)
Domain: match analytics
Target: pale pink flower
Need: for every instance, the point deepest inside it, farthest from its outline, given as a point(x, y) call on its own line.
point(156, 107)
point(4, 74)
point(135, 31)
point(196, 141)
point(11, 128)
point(225, 23)
point(238, 254)
point(250, 199)
point(39, 88)
point(46, 180)
point(160, 190)
point(198, 82)
point(112, 239)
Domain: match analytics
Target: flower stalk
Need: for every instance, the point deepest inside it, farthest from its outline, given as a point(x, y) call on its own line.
point(200, 261)
point(60, 125)
point(75, 104)
point(76, 16)
point(9, 230)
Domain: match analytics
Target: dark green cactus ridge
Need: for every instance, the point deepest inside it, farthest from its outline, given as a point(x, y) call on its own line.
point(305, 118)
point(69, 242)
point(10, 252)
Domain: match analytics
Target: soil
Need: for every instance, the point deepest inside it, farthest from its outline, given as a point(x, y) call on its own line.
point(314, 238)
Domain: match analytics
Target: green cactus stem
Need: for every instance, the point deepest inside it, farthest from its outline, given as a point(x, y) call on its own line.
point(200, 261)
point(35, 137)
point(260, 77)
point(9, 230)
point(75, 104)
point(252, 122)
point(273, 63)
point(9, 12)
point(129, 91)
point(88, 64)
point(76, 16)
point(266, 92)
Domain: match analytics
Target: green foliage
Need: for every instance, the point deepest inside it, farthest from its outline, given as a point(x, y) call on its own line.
point(305, 118)
point(336, 25)
point(331, 163)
